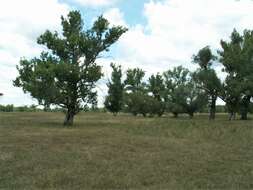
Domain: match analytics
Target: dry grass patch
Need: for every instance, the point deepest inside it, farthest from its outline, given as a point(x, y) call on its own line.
point(106, 152)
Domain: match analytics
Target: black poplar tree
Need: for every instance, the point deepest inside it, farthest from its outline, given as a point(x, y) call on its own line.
point(66, 74)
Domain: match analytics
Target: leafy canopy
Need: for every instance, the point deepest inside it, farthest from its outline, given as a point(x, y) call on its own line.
point(237, 58)
point(65, 75)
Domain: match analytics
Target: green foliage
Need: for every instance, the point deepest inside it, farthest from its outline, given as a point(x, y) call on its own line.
point(204, 58)
point(7, 108)
point(134, 79)
point(24, 109)
point(156, 87)
point(237, 59)
point(60, 76)
point(156, 107)
point(139, 103)
point(174, 80)
point(12, 108)
point(135, 95)
point(182, 94)
point(206, 77)
point(137, 98)
point(193, 99)
point(114, 100)
point(231, 94)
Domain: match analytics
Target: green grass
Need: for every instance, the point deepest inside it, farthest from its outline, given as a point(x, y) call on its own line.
point(106, 152)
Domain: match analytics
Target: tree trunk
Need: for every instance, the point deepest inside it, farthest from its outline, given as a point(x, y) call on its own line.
point(232, 115)
point(244, 115)
point(191, 115)
point(135, 114)
point(213, 108)
point(46, 108)
point(175, 115)
point(69, 118)
point(245, 108)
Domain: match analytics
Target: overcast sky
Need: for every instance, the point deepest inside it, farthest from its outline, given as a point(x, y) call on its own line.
point(162, 33)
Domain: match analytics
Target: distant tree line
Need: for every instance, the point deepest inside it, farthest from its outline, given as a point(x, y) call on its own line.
point(35, 108)
point(180, 91)
point(12, 108)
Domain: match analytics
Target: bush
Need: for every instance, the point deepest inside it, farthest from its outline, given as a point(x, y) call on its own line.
point(139, 103)
point(22, 109)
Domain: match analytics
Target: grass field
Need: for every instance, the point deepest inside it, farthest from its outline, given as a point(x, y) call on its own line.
point(106, 152)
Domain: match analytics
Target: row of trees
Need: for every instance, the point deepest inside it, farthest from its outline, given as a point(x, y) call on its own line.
point(181, 91)
point(171, 91)
point(66, 74)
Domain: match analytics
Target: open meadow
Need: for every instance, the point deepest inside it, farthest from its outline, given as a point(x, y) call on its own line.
point(105, 152)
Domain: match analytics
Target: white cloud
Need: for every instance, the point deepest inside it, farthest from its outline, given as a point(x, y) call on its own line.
point(115, 17)
point(21, 23)
point(94, 3)
point(177, 29)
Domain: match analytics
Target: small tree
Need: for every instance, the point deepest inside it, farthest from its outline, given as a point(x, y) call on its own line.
point(174, 80)
point(192, 98)
point(156, 107)
point(182, 94)
point(206, 78)
point(137, 103)
point(66, 75)
point(136, 97)
point(114, 100)
point(157, 88)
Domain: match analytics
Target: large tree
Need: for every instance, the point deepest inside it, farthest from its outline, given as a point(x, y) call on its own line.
point(66, 74)
point(237, 59)
point(114, 100)
point(206, 78)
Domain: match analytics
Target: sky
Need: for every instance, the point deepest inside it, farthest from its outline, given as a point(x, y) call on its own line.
point(162, 33)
